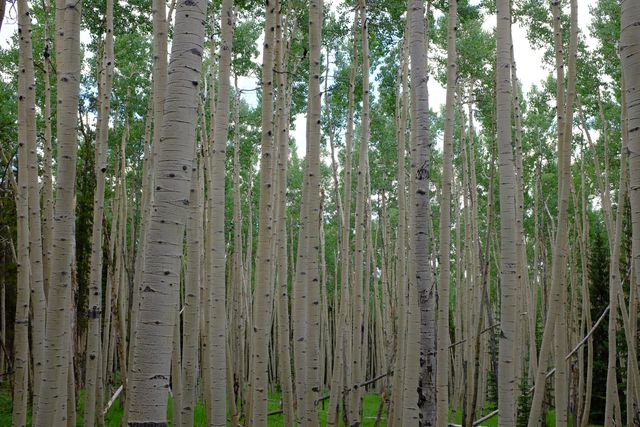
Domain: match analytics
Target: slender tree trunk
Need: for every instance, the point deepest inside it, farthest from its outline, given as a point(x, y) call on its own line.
point(442, 355)
point(95, 275)
point(555, 313)
point(360, 282)
point(26, 129)
point(191, 315)
point(341, 365)
point(402, 112)
point(508, 258)
point(147, 400)
point(217, 333)
point(263, 288)
point(38, 299)
point(313, 385)
point(282, 275)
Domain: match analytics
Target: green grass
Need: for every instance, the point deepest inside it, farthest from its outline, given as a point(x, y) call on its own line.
point(114, 416)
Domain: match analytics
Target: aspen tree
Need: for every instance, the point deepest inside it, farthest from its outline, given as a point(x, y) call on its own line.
point(191, 316)
point(263, 287)
point(159, 91)
point(360, 282)
point(508, 260)
point(420, 275)
point(38, 301)
point(26, 130)
point(239, 320)
point(629, 49)
point(176, 371)
point(612, 405)
point(149, 376)
point(442, 355)
point(93, 407)
point(282, 286)
point(401, 252)
point(341, 364)
point(217, 332)
point(53, 394)
point(47, 179)
point(555, 312)
point(312, 389)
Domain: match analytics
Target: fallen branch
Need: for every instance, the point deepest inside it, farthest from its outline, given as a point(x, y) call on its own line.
point(354, 387)
point(486, 417)
point(487, 329)
point(112, 400)
point(577, 347)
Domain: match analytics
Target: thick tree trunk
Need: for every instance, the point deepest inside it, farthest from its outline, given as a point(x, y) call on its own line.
point(420, 275)
point(630, 58)
point(53, 394)
point(149, 377)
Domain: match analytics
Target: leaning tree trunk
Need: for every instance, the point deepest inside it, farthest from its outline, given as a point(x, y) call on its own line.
point(53, 394)
point(149, 377)
point(508, 255)
point(442, 355)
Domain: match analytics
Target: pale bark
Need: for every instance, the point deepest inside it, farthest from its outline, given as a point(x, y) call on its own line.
point(508, 256)
point(442, 355)
point(312, 380)
point(555, 313)
point(149, 377)
point(341, 365)
point(360, 281)
point(159, 91)
point(38, 298)
point(47, 179)
point(95, 276)
point(402, 111)
point(191, 315)
point(57, 344)
point(420, 275)
point(629, 50)
point(217, 332)
point(263, 286)
point(26, 103)
point(282, 274)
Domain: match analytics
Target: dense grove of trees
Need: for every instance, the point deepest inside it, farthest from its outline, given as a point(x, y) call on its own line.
point(171, 254)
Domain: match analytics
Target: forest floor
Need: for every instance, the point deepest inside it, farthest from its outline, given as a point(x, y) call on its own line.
point(113, 417)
